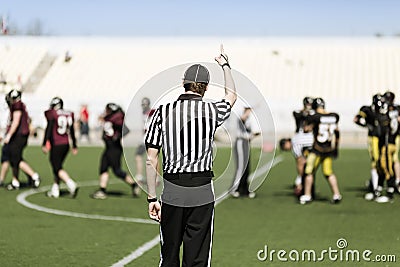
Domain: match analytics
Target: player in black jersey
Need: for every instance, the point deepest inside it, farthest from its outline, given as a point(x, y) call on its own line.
point(301, 141)
point(325, 147)
point(367, 117)
point(388, 119)
point(390, 96)
point(300, 116)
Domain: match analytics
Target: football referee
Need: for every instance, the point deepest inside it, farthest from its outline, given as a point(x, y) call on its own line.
point(184, 129)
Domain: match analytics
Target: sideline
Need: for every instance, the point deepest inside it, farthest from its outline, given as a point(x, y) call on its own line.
point(21, 198)
point(155, 241)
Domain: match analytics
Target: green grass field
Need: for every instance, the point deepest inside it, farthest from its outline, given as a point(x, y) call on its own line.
point(242, 226)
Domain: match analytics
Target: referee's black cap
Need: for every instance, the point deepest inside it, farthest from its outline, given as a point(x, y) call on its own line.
point(196, 74)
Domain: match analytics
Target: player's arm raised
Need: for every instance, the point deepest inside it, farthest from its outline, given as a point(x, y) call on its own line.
point(230, 89)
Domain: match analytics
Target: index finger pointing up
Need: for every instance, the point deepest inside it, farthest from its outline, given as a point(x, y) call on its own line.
point(222, 48)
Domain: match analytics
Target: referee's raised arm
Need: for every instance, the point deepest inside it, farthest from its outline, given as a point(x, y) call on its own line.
point(230, 89)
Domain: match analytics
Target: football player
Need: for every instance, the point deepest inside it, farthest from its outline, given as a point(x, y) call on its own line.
point(300, 151)
point(16, 137)
point(5, 161)
point(367, 117)
point(389, 96)
point(60, 128)
point(113, 123)
point(389, 125)
point(325, 147)
point(301, 141)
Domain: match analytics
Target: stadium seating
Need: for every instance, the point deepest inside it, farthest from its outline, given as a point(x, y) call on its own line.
point(18, 60)
point(346, 72)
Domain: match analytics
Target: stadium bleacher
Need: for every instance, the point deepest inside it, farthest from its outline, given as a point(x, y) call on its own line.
point(346, 72)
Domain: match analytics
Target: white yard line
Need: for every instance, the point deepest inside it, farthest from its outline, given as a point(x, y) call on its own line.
point(21, 198)
point(155, 241)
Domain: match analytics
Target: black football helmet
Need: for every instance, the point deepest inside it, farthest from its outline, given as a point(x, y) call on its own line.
point(112, 107)
point(318, 103)
point(14, 94)
point(56, 103)
point(377, 102)
point(389, 97)
point(307, 101)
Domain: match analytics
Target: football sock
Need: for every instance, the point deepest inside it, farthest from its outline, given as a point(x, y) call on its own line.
point(297, 181)
point(102, 189)
point(15, 183)
point(374, 178)
point(71, 185)
point(55, 190)
point(35, 176)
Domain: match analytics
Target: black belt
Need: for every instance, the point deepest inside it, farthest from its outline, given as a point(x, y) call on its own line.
point(189, 178)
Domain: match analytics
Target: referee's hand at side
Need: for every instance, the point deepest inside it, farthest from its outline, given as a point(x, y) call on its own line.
point(155, 211)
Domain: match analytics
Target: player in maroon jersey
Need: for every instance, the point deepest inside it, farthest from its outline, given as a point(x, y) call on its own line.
point(113, 130)
point(24, 166)
point(60, 128)
point(17, 136)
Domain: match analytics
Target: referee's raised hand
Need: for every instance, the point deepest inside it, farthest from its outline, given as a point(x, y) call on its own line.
point(222, 59)
point(230, 89)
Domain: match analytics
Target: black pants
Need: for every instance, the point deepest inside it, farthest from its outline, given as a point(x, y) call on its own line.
point(242, 157)
point(112, 158)
point(16, 147)
point(58, 154)
point(191, 225)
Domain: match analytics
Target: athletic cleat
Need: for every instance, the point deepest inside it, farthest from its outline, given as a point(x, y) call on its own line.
point(336, 199)
point(235, 194)
point(35, 180)
point(383, 199)
point(252, 195)
point(36, 183)
point(1, 183)
point(99, 195)
point(75, 192)
point(14, 185)
point(304, 199)
point(136, 190)
point(52, 194)
point(11, 187)
point(369, 196)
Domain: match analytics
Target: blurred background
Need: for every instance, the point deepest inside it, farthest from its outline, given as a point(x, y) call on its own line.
point(94, 52)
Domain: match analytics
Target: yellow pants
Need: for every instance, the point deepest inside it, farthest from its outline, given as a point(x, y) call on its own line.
point(387, 159)
point(373, 149)
point(313, 162)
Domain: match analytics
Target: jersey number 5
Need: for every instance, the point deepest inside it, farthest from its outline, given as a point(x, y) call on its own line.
point(325, 132)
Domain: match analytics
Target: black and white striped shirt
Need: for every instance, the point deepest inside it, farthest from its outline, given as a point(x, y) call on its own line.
point(184, 129)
